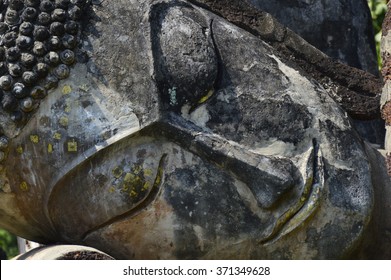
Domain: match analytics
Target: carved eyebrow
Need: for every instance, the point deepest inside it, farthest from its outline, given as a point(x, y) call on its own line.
point(357, 91)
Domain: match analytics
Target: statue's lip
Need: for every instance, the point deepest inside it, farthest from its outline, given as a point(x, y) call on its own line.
point(307, 203)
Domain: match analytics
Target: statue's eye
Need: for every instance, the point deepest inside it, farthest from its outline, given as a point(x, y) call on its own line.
point(184, 54)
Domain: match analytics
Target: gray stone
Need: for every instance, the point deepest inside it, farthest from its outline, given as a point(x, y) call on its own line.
point(340, 28)
point(182, 134)
point(320, 67)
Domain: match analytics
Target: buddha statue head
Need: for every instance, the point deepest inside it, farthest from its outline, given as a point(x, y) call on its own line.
point(158, 129)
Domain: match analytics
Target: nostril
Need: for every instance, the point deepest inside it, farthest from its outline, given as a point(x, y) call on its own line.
point(270, 182)
point(270, 195)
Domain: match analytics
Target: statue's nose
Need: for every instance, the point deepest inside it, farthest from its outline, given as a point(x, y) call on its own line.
point(279, 192)
point(268, 178)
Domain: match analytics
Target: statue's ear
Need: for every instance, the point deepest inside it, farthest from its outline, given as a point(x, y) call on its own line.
point(185, 60)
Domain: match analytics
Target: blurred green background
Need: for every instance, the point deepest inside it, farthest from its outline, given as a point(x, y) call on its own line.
point(8, 243)
point(378, 8)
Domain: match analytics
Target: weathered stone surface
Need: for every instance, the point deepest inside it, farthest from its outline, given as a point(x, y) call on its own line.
point(363, 107)
point(240, 154)
point(382, 225)
point(340, 28)
point(377, 240)
point(386, 71)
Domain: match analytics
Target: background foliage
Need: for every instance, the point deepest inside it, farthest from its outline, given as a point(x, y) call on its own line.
point(8, 243)
point(378, 9)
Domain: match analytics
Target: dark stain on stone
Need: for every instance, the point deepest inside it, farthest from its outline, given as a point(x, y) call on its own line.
point(251, 120)
point(197, 200)
point(141, 153)
point(101, 180)
point(330, 237)
point(45, 121)
point(86, 103)
point(340, 139)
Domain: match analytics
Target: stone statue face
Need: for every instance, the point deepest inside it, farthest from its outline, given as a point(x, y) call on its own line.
point(180, 135)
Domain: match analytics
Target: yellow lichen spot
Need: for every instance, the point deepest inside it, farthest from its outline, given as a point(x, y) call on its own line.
point(117, 172)
point(63, 121)
point(206, 97)
point(34, 138)
point(68, 106)
point(66, 89)
point(57, 136)
point(19, 150)
point(159, 176)
point(111, 189)
point(133, 193)
point(148, 172)
point(129, 177)
point(125, 187)
point(50, 148)
point(72, 146)
point(24, 186)
point(137, 169)
point(146, 186)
